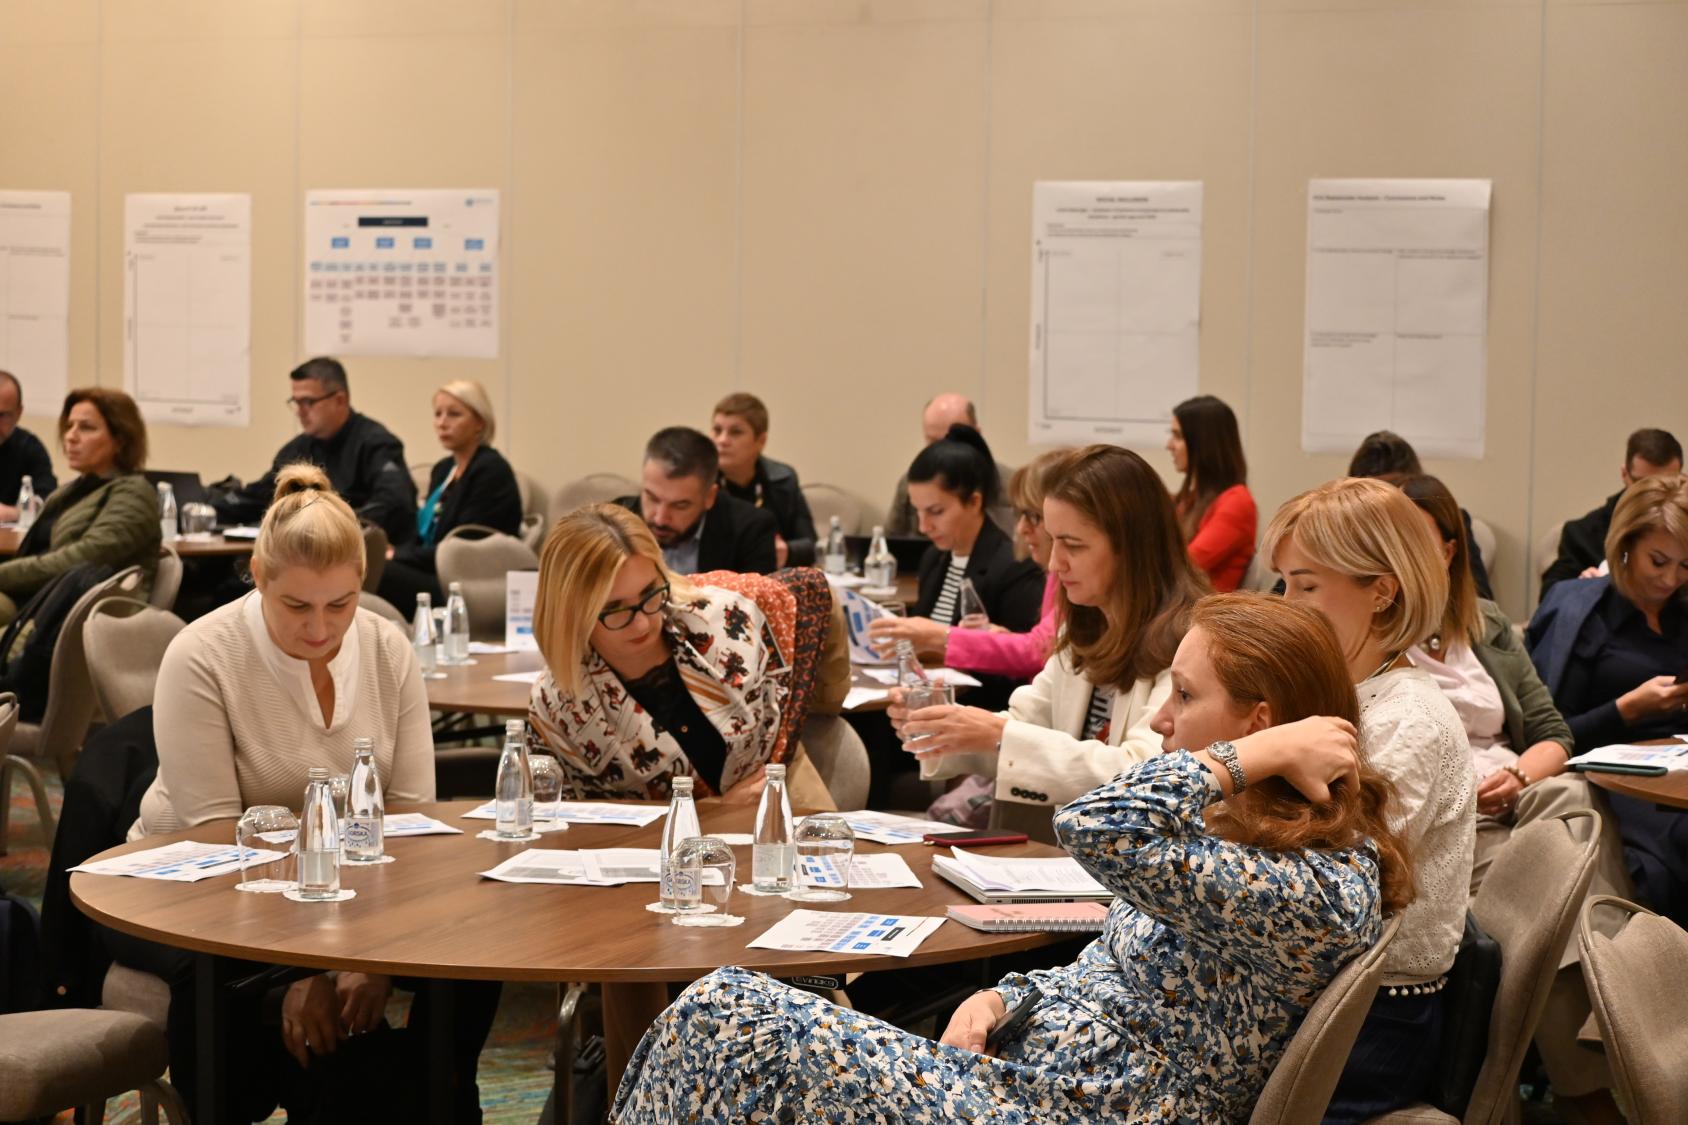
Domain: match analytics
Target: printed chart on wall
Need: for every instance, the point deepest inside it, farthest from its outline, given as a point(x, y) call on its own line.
point(408, 273)
point(35, 291)
point(1116, 309)
point(187, 307)
point(1397, 314)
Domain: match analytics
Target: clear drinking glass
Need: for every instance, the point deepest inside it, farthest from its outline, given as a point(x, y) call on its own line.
point(826, 845)
point(264, 827)
point(547, 786)
point(339, 785)
point(928, 694)
point(710, 863)
point(972, 608)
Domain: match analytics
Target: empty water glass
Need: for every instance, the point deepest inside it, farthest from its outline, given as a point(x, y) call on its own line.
point(826, 846)
point(971, 607)
point(339, 785)
point(266, 827)
point(919, 696)
point(547, 786)
point(710, 862)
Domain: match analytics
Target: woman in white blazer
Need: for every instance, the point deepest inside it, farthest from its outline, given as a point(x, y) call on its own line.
point(1126, 588)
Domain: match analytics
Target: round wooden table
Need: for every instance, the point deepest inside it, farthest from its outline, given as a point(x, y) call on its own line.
point(470, 689)
point(1664, 789)
point(429, 915)
point(213, 546)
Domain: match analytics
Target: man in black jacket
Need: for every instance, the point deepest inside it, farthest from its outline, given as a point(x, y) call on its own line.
point(1582, 543)
point(21, 452)
point(740, 430)
point(697, 526)
point(363, 460)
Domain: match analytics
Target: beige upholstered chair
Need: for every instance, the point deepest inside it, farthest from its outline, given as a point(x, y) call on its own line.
point(125, 641)
point(1484, 536)
point(480, 564)
point(536, 510)
point(839, 756)
point(826, 501)
point(1300, 1087)
point(1528, 904)
point(79, 1057)
point(594, 488)
point(375, 603)
point(167, 580)
point(1640, 1022)
point(374, 556)
point(421, 472)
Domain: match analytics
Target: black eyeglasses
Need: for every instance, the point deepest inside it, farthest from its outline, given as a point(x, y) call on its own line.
point(621, 617)
point(1033, 518)
point(305, 402)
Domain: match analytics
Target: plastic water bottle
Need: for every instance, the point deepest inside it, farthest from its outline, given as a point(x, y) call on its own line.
point(29, 504)
point(677, 890)
point(880, 566)
point(319, 840)
point(365, 809)
point(422, 633)
point(909, 672)
point(513, 792)
point(167, 525)
point(456, 626)
point(834, 562)
point(773, 850)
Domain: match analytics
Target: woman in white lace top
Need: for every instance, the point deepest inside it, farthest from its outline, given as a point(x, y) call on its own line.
point(1359, 551)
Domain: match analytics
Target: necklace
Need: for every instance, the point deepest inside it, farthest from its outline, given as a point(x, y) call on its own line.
point(1384, 667)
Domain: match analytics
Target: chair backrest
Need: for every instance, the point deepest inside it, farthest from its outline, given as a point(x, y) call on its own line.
point(70, 694)
point(125, 641)
point(1484, 535)
point(167, 579)
point(1528, 903)
point(374, 556)
point(1547, 549)
point(377, 604)
point(1299, 1090)
point(1630, 972)
point(421, 472)
point(594, 488)
point(8, 725)
point(840, 757)
point(1260, 576)
point(535, 500)
point(480, 564)
point(826, 501)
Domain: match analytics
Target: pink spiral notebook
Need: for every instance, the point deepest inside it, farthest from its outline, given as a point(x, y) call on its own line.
point(1058, 917)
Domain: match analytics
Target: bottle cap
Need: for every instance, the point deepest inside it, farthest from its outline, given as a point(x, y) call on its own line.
point(317, 773)
point(776, 772)
point(425, 599)
point(455, 588)
point(363, 746)
point(515, 728)
point(681, 786)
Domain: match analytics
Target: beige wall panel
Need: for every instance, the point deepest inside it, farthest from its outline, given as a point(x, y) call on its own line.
point(41, 22)
point(1121, 91)
point(1614, 338)
point(623, 303)
point(125, 21)
point(1411, 93)
point(863, 217)
point(400, 19)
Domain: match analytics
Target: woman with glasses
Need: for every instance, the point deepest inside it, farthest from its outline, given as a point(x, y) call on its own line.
point(1215, 508)
point(647, 676)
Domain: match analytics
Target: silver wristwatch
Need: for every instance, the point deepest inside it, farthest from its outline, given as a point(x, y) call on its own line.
point(1226, 755)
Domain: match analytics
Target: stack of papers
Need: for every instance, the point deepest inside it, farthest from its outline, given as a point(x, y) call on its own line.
point(601, 867)
point(184, 862)
point(826, 931)
point(995, 879)
point(888, 676)
point(586, 812)
point(1648, 758)
point(889, 828)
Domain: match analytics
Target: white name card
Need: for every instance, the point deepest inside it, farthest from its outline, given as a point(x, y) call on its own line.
point(521, 587)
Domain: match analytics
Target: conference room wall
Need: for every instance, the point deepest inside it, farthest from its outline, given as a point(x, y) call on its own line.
point(827, 201)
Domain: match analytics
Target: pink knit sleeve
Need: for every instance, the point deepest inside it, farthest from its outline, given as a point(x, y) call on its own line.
point(1018, 655)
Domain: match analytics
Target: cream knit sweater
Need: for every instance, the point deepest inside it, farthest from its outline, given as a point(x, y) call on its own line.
point(237, 724)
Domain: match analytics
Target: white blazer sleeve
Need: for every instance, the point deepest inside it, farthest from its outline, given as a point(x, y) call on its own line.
point(1032, 703)
point(1051, 767)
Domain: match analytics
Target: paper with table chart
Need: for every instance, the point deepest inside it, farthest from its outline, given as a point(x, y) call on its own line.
point(1671, 758)
point(891, 829)
point(187, 307)
point(187, 861)
point(402, 272)
point(1116, 309)
point(587, 812)
point(35, 290)
point(995, 873)
point(880, 869)
point(826, 931)
point(600, 867)
point(1397, 314)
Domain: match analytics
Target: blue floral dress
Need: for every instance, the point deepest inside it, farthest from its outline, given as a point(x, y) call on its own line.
point(1177, 1013)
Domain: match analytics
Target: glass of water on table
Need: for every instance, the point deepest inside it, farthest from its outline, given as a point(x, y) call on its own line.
point(547, 787)
point(918, 697)
point(826, 846)
point(709, 869)
point(272, 828)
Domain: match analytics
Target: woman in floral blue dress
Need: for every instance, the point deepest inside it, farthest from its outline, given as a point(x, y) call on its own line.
point(1247, 873)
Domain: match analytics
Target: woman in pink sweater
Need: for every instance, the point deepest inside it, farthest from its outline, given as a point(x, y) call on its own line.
point(1214, 505)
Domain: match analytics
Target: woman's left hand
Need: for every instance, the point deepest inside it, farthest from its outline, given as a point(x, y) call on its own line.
point(363, 1000)
point(1497, 793)
point(954, 730)
point(928, 636)
point(747, 791)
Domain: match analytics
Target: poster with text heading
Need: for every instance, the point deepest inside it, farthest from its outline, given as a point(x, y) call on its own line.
point(1397, 314)
point(187, 307)
point(1116, 309)
point(405, 273)
point(35, 294)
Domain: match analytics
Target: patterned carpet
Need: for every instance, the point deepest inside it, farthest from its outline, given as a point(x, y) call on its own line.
point(514, 1077)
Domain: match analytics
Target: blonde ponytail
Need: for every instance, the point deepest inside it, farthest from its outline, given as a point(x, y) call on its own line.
point(308, 525)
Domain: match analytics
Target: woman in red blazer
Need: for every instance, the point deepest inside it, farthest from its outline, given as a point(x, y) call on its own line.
point(1214, 506)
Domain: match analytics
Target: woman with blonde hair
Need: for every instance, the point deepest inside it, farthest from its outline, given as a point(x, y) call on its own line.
point(472, 484)
point(647, 676)
point(1361, 553)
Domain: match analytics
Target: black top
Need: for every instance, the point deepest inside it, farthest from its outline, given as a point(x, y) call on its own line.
point(486, 494)
point(23, 455)
point(1582, 543)
point(736, 536)
point(1616, 651)
point(364, 463)
point(663, 695)
point(1012, 589)
point(775, 488)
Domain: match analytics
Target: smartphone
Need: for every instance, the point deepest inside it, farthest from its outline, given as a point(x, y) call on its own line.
point(1010, 1025)
point(966, 839)
point(1622, 767)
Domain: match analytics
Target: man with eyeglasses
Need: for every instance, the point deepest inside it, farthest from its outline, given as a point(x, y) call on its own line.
point(698, 526)
point(21, 452)
point(364, 461)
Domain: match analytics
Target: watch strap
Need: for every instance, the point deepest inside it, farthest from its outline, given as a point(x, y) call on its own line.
point(1226, 755)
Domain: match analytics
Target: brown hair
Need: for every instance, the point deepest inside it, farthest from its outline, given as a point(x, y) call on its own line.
point(1650, 504)
point(1266, 649)
point(1462, 621)
point(122, 418)
point(308, 524)
point(1028, 484)
point(1384, 452)
point(1214, 456)
point(746, 406)
point(1156, 583)
point(1656, 447)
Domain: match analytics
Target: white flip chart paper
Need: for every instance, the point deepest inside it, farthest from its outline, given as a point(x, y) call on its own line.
point(1116, 309)
point(187, 307)
point(1397, 314)
point(35, 293)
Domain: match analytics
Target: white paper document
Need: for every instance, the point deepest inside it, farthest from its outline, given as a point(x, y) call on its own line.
point(402, 272)
point(184, 862)
point(881, 869)
point(589, 812)
point(546, 865)
point(483, 648)
point(520, 677)
point(187, 307)
point(859, 612)
point(995, 873)
point(889, 828)
point(1397, 314)
point(625, 865)
point(888, 676)
point(35, 291)
point(521, 589)
point(1671, 758)
point(862, 696)
point(1116, 309)
point(416, 824)
point(826, 931)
